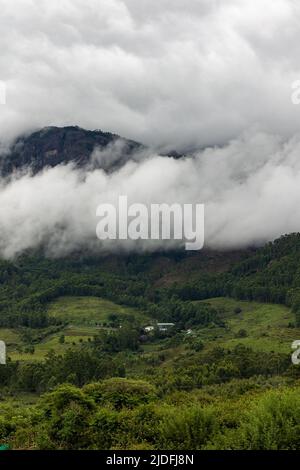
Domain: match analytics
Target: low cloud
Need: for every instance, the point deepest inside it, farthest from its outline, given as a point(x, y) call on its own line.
point(250, 189)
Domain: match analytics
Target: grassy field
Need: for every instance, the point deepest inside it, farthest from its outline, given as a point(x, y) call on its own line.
point(84, 317)
point(88, 310)
point(267, 327)
point(9, 336)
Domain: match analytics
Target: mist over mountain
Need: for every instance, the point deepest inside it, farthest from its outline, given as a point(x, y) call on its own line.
point(54, 180)
point(216, 77)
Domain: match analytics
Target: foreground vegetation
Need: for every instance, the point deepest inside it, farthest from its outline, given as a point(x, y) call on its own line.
point(130, 414)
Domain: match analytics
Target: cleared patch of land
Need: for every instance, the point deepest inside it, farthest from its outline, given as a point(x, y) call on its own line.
point(88, 310)
point(84, 316)
point(261, 326)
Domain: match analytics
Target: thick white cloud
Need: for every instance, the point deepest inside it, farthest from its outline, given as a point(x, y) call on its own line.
point(250, 189)
point(168, 73)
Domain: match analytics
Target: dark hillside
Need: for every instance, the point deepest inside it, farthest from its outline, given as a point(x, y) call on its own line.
point(54, 145)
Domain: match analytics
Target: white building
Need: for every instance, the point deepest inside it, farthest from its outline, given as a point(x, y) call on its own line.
point(159, 326)
point(149, 328)
point(165, 326)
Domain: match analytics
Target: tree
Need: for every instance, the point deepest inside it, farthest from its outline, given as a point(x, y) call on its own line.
point(61, 339)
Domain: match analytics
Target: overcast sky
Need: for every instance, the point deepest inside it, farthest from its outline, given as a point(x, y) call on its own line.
point(171, 73)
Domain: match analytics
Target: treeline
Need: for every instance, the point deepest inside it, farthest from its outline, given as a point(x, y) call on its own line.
point(272, 275)
point(269, 274)
point(110, 354)
point(75, 366)
point(28, 306)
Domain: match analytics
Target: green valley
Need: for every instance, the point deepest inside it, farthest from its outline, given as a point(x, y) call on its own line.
point(182, 354)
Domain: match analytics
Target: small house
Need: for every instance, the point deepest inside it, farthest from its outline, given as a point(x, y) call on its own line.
point(165, 326)
point(149, 328)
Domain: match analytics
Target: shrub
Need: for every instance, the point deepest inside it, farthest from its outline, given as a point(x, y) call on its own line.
point(104, 427)
point(237, 310)
point(241, 333)
point(274, 423)
point(120, 392)
point(66, 413)
point(191, 428)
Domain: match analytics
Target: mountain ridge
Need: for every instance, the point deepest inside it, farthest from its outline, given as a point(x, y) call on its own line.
point(52, 146)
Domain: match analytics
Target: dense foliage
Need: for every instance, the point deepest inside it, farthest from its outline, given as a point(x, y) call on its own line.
point(186, 392)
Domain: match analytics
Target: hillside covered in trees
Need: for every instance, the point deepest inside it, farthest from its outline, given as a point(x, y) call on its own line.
point(83, 368)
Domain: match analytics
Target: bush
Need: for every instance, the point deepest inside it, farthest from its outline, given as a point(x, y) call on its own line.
point(66, 413)
point(237, 310)
point(241, 333)
point(120, 392)
point(191, 428)
point(104, 427)
point(274, 424)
